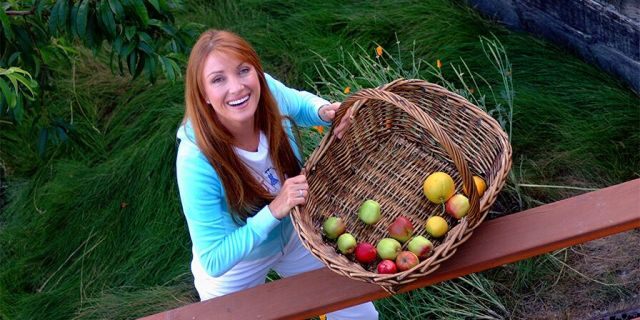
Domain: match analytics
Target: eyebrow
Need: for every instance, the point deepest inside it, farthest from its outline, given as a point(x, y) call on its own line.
point(220, 71)
point(213, 72)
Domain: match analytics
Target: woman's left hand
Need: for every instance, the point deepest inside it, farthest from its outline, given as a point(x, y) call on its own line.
point(328, 112)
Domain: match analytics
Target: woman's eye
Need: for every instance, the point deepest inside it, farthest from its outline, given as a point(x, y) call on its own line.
point(216, 80)
point(245, 70)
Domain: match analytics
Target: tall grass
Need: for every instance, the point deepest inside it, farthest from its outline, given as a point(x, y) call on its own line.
point(94, 230)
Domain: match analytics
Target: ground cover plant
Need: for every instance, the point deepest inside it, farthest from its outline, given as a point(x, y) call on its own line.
point(93, 229)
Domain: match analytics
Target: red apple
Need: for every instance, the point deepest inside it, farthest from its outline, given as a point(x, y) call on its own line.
point(365, 253)
point(406, 260)
point(401, 229)
point(387, 267)
point(457, 206)
point(420, 246)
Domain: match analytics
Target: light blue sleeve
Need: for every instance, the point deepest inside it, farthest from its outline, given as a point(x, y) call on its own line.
point(217, 240)
point(302, 106)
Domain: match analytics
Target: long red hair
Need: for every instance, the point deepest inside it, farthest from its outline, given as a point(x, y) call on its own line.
point(244, 194)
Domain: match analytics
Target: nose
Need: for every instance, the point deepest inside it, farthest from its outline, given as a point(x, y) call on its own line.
point(235, 84)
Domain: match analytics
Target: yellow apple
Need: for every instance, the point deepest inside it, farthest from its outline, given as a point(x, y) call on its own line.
point(438, 187)
point(436, 226)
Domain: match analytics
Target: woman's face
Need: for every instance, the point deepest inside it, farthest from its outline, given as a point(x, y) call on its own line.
point(232, 89)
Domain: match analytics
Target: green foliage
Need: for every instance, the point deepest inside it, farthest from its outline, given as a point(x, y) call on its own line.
point(94, 230)
point(140, 36)
point(22, 85)
point(469, 297)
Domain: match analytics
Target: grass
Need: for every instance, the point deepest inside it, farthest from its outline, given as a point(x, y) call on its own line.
point(94, 229)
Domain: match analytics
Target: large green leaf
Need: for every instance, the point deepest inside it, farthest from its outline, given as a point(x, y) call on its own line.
point(117, 9)
point(141, 11)
point(6, 26)
point(18, 110)
point(53, 17)
point(82, 17)
point(63, 16)
point(155, 4)
point(106, 16)
point(150, 68)
point(7, 94)
point(130, 31)
point(170, 67)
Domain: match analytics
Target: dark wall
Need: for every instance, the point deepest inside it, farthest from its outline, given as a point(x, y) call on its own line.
point(604, 32)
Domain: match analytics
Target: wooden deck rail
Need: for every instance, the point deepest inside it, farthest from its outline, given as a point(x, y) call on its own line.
point(496, 242)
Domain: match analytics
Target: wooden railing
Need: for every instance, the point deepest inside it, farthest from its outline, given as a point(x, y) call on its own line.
point(496, 242)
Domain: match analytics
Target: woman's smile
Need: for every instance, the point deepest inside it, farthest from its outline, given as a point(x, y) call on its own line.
point(239, 103)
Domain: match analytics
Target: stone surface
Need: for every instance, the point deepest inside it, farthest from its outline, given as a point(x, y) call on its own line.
point(603, 32)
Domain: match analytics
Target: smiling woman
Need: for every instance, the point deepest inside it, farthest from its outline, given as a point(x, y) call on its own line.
point(238, 169)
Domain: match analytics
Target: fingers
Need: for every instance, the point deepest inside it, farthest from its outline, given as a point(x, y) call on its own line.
point(329, 115)
point(328, 112)
point(301, 178)
point(296, 189)
point(344, 124)
point(294, 192)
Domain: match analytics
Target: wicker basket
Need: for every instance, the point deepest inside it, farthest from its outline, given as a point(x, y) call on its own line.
point(399, 134)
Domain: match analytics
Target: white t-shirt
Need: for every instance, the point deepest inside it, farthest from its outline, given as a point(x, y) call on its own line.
point(261, 166)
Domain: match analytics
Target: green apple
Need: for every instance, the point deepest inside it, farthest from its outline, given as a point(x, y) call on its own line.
point(369, 212)
point(421, 246)
point(346, 243)
point(333, 227)
point(388, 248)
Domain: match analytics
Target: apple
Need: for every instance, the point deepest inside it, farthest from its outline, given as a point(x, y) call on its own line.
point(333, 227)
point(406, 260)
point(420, 246)
point(438, 187)
point(369, 212)
point(387, 267)
point(401, 229)
point(365, 253)
point(436, 226)
point(457, 206)
point(346, 243)
point(388, 248)
point(481, 186)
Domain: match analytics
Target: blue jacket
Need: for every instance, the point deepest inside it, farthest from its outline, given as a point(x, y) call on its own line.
point(218, 241)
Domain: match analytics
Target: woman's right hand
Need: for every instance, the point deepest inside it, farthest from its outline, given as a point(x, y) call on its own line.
point(293, 192)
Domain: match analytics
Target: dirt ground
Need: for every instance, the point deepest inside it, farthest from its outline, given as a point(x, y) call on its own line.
point(601, 278)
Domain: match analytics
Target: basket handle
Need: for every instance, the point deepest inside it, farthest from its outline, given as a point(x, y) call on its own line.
point(357, 100)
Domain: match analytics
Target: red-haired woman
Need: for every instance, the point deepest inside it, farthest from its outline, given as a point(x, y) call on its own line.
point(238, 169)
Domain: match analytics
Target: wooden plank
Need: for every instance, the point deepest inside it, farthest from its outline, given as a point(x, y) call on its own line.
point(500, 241)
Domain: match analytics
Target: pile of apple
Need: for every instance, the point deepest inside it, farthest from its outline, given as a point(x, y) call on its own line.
point(402, 250)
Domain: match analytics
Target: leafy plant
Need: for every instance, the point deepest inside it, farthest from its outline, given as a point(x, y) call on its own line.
point(18, 84)
point(139, 36)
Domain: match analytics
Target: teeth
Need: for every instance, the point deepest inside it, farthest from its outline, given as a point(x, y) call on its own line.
point(239, 101)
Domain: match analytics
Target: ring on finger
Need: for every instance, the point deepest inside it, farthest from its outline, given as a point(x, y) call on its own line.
point(301, 193)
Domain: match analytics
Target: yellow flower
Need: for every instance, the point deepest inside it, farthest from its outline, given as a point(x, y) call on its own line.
point(319, 129)
point(379, 51)
point(347, 90)
point(439, 63)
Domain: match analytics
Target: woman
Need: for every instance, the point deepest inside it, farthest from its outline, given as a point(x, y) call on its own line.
point(238, 169)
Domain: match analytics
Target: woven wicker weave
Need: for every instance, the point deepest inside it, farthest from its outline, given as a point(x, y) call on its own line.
point(399, 134)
